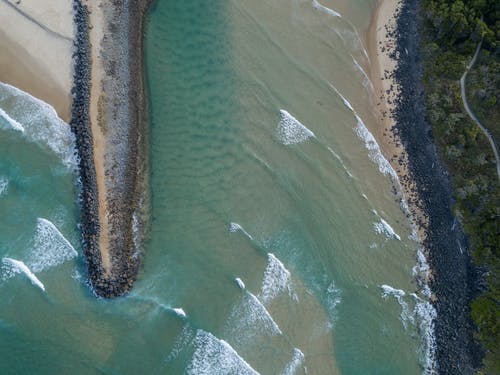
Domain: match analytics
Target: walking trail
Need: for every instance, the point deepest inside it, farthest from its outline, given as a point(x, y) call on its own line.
point(469, 112)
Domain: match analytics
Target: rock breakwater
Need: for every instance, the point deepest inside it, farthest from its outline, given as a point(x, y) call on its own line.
point(123, 114)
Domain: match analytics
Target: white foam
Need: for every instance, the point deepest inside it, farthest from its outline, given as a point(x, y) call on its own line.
point(240, 283)
point(51, 248)
point(316, 5)
point(344, 100)
point(4, 184)
point(374, 151)
point(295, 363)
point(406, 315)
point(291, 131)
point(248, 320)
point(215, 356)
point(426, 315)
point(181, 342)
point(333, 299)
point(41, 123)
point(180, 312)
point(19, 267)
point(277, 280)
point(366, 80)
point(13, 123)
point(234, 227)
point(383, 227)
point(341, 161)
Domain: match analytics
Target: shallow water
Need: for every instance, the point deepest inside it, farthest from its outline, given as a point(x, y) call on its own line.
point(277, 245)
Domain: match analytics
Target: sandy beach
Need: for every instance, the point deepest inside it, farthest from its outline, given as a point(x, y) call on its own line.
point(36, 40)
point(381, 47)
point(96, 33)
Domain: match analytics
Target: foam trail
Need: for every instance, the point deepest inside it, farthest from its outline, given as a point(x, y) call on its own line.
point(316, 5)
point(277, 279)
point(398, 294)
point(341, 161)
point(240, 283)
point(51, 247)
point(4, 183)
point(234, 227)
point(426, 315)
point(41, 123)
point(13, 123)
point(176, 310)
point(180, 312)
point(20, 267)
point(290, 131)
point(366, 80)
point(215, 356)
point(294, 364)
point(333, 299)
point(374, 151)
point(383, 227)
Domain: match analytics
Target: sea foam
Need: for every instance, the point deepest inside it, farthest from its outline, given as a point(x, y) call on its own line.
point(51, 248)
point(426, 315)
point(291, 131)
point(316, 5)
point(383, 227)
point(240, 283)
point(295, 363)
point(249, 318)
point(406, 315)
point(215, 356)
point(276, 280)
point(235, 227)
point(16, 266)
point(40, 122)
point(4, 184)
point(12, 123)
point(374, 151)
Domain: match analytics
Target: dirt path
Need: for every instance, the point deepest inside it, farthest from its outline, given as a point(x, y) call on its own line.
point(471, 114)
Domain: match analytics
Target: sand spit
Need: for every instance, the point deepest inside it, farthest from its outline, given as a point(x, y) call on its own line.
point(109, 120)
point(36, 41)
point(426, 182)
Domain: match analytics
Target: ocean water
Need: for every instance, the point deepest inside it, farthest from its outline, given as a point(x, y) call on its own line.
point(277, 244)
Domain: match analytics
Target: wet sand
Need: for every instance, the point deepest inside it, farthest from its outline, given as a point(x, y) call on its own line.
point(36, 43)
point(381, 46)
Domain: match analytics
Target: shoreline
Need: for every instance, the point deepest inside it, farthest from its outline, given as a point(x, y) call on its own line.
point(426, 183)
point(109, 121)
point(36, 41)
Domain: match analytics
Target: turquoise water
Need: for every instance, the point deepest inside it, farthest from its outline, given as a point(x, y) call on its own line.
point(276, 246)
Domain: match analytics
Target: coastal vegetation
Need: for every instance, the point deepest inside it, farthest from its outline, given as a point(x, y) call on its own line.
point(453, 30)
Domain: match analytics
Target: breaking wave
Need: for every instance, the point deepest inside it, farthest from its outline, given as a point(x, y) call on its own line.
point(290, 131)
point(39, 123)
point(249, 319)
point(214, 356)
point(422, 317)
point(316, 5)
point(51, 248)
point(12, 123)
point(16, 266)
point(277, 280)
point(295, 363)
point(383, 227)
point(4, 184)
point(234, 227)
